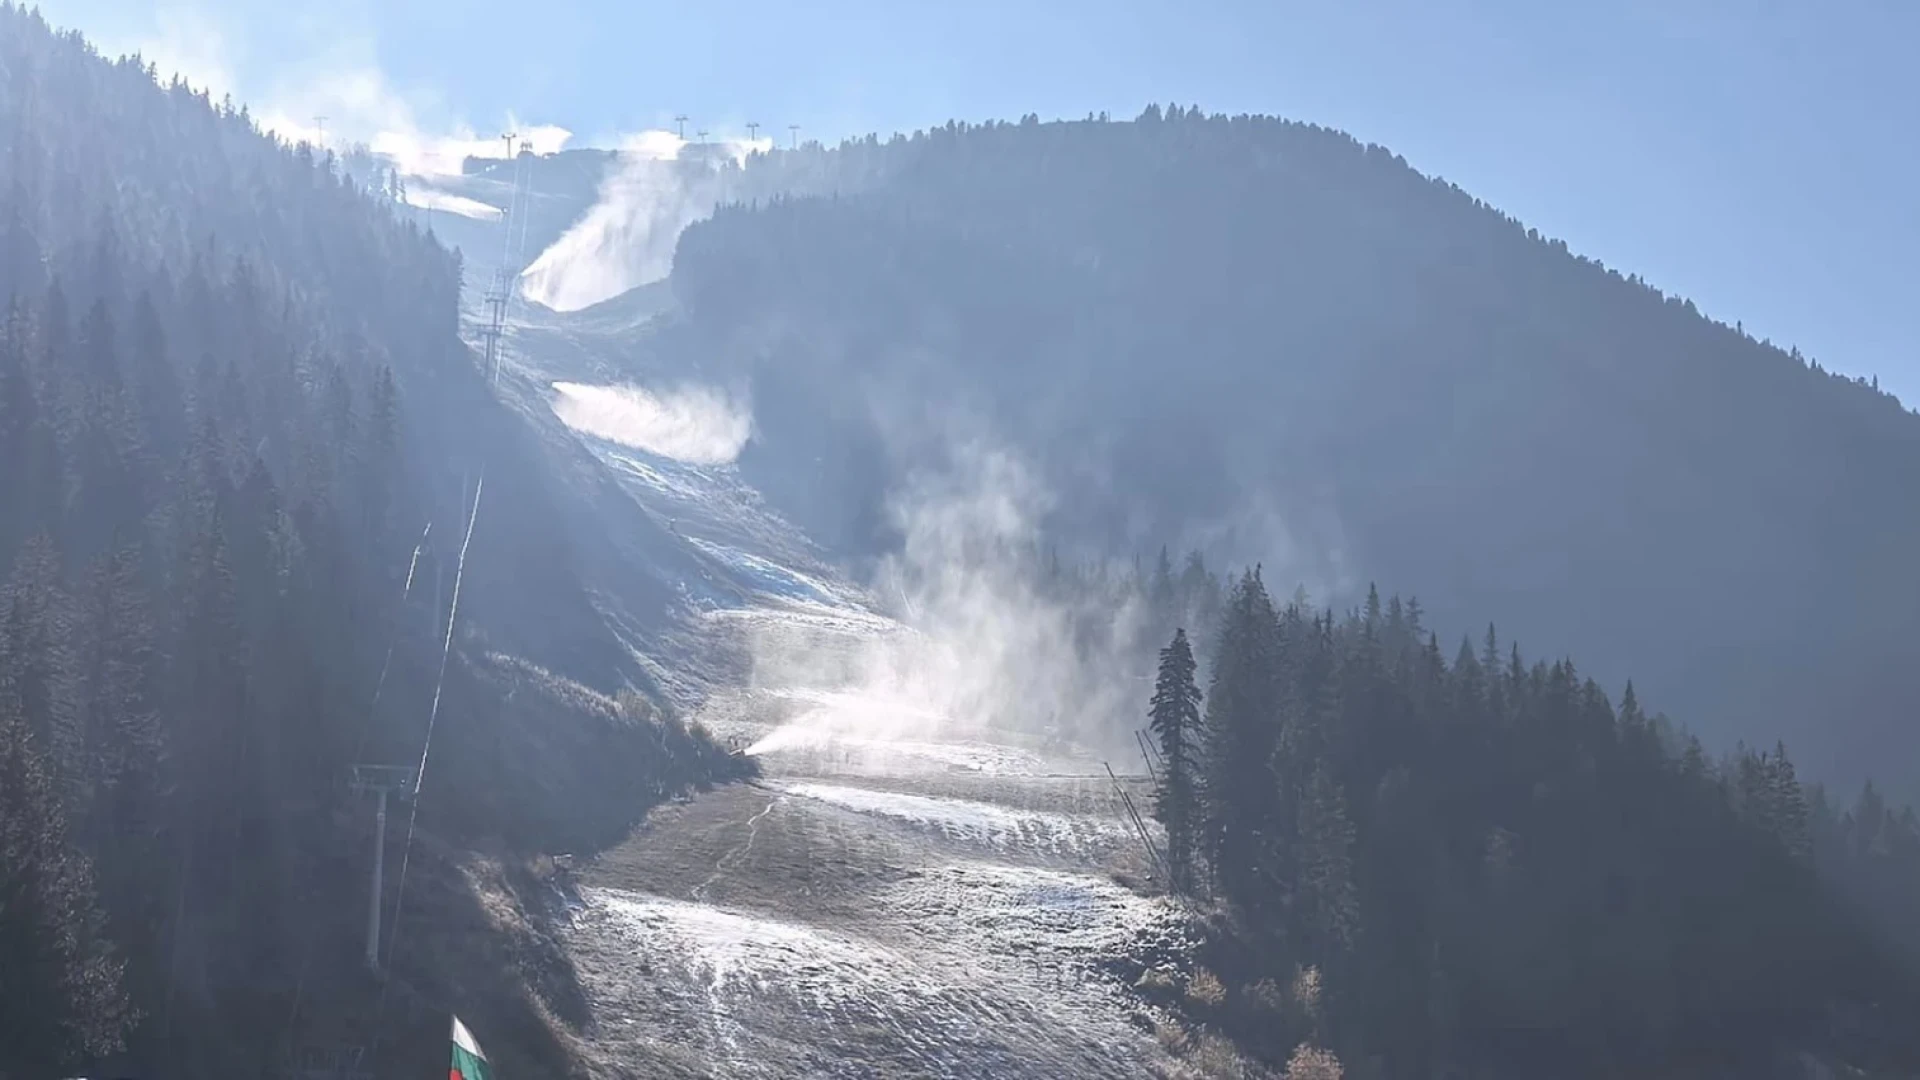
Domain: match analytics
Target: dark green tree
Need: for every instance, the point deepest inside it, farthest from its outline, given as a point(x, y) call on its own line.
point(1175, 720)
point(36, 658)
point(1242, 734)
point(61, 1002)
point(123, 769)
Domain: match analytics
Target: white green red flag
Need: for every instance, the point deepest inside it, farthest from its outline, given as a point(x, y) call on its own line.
point(468, 1062)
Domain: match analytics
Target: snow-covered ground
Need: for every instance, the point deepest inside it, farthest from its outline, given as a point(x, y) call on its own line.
point(942, 910)
point(904, 893)
point(981, 824)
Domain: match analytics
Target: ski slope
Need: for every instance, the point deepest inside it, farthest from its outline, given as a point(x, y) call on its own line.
point(903, 893)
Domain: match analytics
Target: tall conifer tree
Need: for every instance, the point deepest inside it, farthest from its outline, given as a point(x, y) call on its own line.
point(1175, 719)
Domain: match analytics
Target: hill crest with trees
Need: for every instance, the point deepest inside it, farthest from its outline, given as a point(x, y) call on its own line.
point(234, 409)
point(1484, 867)
point(1183, 319)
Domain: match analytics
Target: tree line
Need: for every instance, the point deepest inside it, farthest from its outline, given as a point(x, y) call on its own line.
point(227, 377)
point(1485, 863)
point(1235, 311)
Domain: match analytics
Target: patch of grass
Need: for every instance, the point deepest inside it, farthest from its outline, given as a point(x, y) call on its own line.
point(1313, 1063)
point(1205, 989)
point(1214, 1057)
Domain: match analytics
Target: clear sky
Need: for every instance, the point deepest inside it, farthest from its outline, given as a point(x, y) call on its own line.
point(1759, 156)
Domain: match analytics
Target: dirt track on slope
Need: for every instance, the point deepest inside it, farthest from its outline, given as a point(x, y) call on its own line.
point(866, 926)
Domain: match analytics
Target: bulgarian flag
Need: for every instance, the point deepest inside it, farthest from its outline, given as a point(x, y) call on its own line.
point(468, 1062)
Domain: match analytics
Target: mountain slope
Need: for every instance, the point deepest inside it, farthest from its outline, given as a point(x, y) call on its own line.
point(244, 447)
point(1263, 337)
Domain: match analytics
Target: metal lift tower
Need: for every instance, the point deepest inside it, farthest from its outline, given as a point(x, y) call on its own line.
point(380, 781)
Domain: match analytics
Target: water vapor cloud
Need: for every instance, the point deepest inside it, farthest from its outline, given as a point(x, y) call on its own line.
point(694, 424)
point(331, 72)
point(659, 185)
point(995, 651)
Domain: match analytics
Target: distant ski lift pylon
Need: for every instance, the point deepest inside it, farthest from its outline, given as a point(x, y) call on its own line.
point(395, 779)
point(380, 781)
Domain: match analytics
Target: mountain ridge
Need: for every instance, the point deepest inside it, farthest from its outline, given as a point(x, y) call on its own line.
point(1264, 307)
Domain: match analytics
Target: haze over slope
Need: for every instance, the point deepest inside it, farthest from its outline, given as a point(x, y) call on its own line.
point(232, 400)
point(1258, 335)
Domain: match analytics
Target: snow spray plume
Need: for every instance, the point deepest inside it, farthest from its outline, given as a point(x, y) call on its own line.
point(694, 424)
point(997, 651)
point(660, 185)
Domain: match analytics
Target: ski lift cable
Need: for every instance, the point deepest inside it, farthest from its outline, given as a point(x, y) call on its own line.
point(379, 687)
point(433, 716)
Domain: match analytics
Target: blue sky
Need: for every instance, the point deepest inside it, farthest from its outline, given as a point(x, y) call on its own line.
point(1758, 156)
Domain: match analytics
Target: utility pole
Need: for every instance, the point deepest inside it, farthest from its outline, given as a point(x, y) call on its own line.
point(680, 127)
point(795, 130)
point(496, 301)
point(380, 781)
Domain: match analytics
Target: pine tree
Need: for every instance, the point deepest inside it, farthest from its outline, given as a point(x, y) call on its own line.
point(1200, 599)
point(1789, 809)
point(1327, 909)
point(61, 1001)
point(23, 268)
point(32, 483)
point(19, 416)
point(155, 382)
point(106, 463)
point(381, 458)
point(122, 748)
point(1176, 720)
point(1496, 691)
point(36, 661)
point(213, 734)
point(1243, 726)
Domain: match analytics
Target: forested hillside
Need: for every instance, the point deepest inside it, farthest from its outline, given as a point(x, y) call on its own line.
point(1468, 860)
point(1203, 329)
point(234, 420)
point(1481, 866)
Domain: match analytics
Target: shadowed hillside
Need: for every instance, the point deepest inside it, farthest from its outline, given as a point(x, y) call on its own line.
point(240, 444)
point(1266, 339)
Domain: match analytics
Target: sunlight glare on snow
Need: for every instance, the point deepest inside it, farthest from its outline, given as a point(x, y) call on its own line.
point(693, 424)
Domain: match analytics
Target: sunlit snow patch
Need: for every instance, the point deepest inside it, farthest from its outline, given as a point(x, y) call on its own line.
point(881, 732)
point(1023, 913)
point(898, 756)
point(977, 823)
point(820, 619)
point(761, 997)
point(753, 984)
point(694, 424)
point(672, 484)
point(426, 198)
point(771, 578)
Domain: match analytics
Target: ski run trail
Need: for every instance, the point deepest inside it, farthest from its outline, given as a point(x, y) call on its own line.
point(871, 908)
point(894, 897)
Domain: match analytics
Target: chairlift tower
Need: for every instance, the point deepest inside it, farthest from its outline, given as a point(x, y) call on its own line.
point(794, 129)
point(496, 300)
point(680, 127)
point(753, 131)
point(380, 781)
